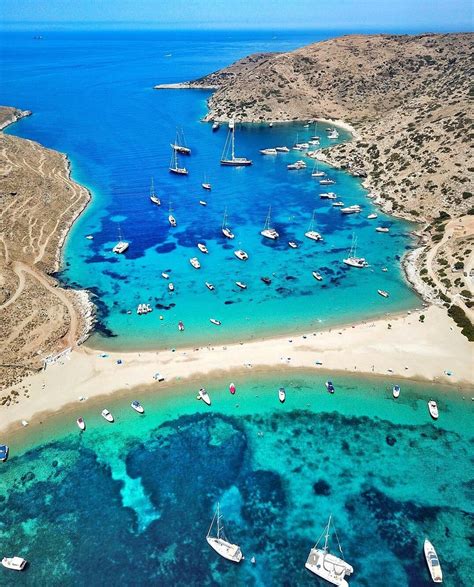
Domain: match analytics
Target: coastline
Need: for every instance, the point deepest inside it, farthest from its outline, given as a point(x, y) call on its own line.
point(408, 349)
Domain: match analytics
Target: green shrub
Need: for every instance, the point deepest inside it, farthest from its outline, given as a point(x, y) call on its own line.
point(466, 326)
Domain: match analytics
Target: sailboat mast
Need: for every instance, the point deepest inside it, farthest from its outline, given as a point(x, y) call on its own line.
point(212, 524)
point(152, 189)
point(233, 133)
point(326, 538)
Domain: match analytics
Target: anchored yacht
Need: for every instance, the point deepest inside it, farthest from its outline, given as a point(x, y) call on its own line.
point(311, 233)
point(433, 562)
point(354, 261)
point(268, 232)
point(240, 254)
point(226, 231)
point(14, 563)
point(228, 155)
point(219, 542)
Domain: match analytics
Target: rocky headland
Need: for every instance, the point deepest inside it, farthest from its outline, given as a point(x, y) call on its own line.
point(408, 101)
point(38, 204)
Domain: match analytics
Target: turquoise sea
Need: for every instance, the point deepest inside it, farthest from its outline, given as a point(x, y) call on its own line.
point(131, 502)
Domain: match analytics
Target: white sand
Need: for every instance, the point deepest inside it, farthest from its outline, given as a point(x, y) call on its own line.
point(408, 349)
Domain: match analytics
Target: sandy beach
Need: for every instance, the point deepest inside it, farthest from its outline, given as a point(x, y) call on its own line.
point(432, 350)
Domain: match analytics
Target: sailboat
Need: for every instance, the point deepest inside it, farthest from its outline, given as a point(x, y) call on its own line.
point(226, 231)
point(228, 154)
point(122, 245)
point(153, 197)
point(179, 144)
point(174, 164)
point(220, 543)
point(352, 260)
point(316, 171)
point(267, 231)
point(311, 233)
point(326, 565)
point(171, 218)
point(206, 184)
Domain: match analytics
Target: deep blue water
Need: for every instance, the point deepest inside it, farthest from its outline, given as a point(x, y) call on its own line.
point(92, 97)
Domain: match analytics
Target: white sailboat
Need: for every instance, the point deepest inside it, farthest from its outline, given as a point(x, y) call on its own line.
point(228, 154)
point(316, 171)
point(153, 197)
point(352, 260)
point(226, 231)
point(179, 144)
point(171, 218)
point(219, 542)
point(174, 164)
point(122, 245)
point(326, 565)
point(311, 233)
point(268, 232)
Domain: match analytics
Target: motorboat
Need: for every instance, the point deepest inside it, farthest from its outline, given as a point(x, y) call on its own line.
point(210, 286)
point(382, 229)
point(90, 237)
point(137, 406)
point(326, 565)
point(292, 245)
point(165, 275)
point(311, 233)
point(328, 196)
point(107, 415)
point(327, 181)
point(171, 286)
point(282, 395)
point(4, 450)
point(240, 254)
point(354, 209)
point(338, 204)
point(153, 197)
point(204, 396)
point(14, 563)
point(144, 309)
point(202, 247)
point(432, 561)
point(383, 293)
point(330, 386)
point(317, 276)
point(81, 424)
point(219, 542)
point(195, 262)
point(203, 203)
point(282, 149)
point(241, 284)
point(267, 231)
point(297, 165)
point(232, 388)
point(268, 151)
point(396, 391)
point(216, 322)
point(226, 231)
point(180, 326)
point(215, 126)
point(433, 408)
point(228, 155)
point(266, 280)
point(372, 216)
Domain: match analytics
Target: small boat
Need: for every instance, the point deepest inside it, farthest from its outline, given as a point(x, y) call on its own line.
point(121, 246)
point(226, 231)
point(396, 391)
point(433, 408)
point(144, 309)
point(328, 196)
point(107, 415)
point(327, 181)
point(326, 565)
point(215, 126)
point(268, 151)
point(316, 171)
point(14, 563)
point(333, 134)
point(204, 396)
point(266, 280)
point(241, 285)
point(220, 543)
point(228, 155)
point(80, 422)
point(206, 186)
point(311, 233)
point(171, 218)
point(153, 197)
point(216, 322)
point(382, 229)
point(297, 165)
point(292, 245)
point(282, 149)
point(267, 231)
point(89, 237)
point(338, 204)
point(352, 260)
point(137, 406)
point(253, 560)
point(432, 561)
point(372, 216)
point(383, 293)
point(330, 386)
point(165, 275)
point(317, 276)
point(4, 450)
point(174, 164)
point(195, 262)
point(232, 388)
point(354, 209)
point(270, 125)
point(180, 144)
point(202, 247)
point(240, 254)
point(282, 395)
point(210, 286)
point(171, 286)
point(180, 326)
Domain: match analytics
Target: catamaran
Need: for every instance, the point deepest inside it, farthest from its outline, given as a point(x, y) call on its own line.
point(327, 566)
point(226, 231)
point(228, 154)
point(352, 260)
point(153, 197)
point(174, 164)
point(267, 231)
point(220, 543)
point(122, 245)
point(180, 144)
point(311, 233)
